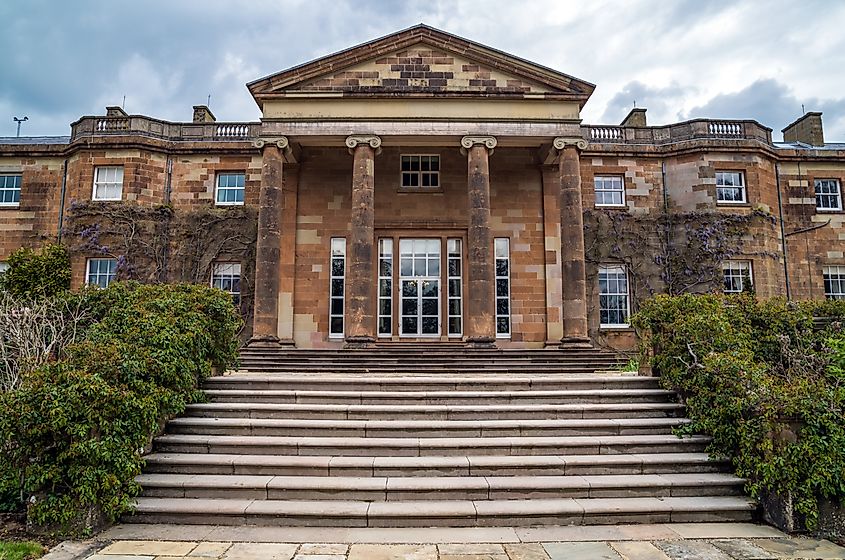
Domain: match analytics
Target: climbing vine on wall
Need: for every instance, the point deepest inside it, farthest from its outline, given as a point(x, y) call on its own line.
point(673, 253)
point(156, 244)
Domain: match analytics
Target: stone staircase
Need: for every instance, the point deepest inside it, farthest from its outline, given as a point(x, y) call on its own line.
point(408, 437)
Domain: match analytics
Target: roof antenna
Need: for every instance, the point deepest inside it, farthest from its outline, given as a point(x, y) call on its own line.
point(124, 103)
point(802, 109)
point(635, 103)
point(19, 121)
point(208, 101)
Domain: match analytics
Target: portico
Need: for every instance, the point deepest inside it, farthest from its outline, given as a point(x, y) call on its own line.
point(461, 217)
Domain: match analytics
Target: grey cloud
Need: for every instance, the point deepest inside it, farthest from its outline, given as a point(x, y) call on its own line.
point(658, 100)
point(773, 105)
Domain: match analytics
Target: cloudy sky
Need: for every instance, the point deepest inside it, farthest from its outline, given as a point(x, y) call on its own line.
point(680, 59)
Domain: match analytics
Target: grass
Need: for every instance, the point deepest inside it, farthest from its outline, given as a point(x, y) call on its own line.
point(20, 550)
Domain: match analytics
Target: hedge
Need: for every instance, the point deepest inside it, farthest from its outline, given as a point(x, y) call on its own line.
point(74, 432)
point(765, 380)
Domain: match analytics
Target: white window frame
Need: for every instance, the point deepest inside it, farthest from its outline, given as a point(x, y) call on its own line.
point(616, 268)
point(836, 194)
point(17, 182)
point(834, 281)
point(506, 243)
point(227, 271)
point(450, 278)
point(92, 278)
point(419, 173)
point(735, 269)
point(103, 182)
point(599, 184)
point(385, 247)
point(218, 189)
point(337, 250)
point(743, 187)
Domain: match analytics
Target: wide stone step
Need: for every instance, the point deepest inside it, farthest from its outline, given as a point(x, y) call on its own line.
point(433, 412)
point(442, 397)
point(390, 489)
point(326, 382)
point(482, 465)
point(425, 369)
point(422, 428)
point(455, 513)
point(409, 446)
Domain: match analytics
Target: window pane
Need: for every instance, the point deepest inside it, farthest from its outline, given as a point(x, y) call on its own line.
point(429, 325)
point(501, 267)
point(384, 288)
point(337, 287)
point(501, 287)
point(503, 325)
point(384, 325)
point(454, 325)
point(336, 325)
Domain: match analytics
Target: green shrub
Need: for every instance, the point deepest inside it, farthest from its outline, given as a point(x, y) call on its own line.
point(74, 431)
point(37, 274)
point(763, 382)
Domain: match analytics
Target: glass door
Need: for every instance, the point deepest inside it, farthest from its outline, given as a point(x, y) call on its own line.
point(419, 287)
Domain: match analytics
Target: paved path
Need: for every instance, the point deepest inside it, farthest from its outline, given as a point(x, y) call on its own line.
point(699, 541)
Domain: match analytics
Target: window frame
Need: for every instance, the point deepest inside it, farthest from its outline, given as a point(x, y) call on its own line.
point(596, 191)
point(223, 276)
point(834, 273)
point(506, 278)
point(4, 188)
point(419, 173)
point(385, 256)
point(743, 187)
point(837, 194)
point(111, 275)
point(332, 242)
point(627, 294)
point(97, 183)
point(217, 189)
point(456, 256)
point(728, 265)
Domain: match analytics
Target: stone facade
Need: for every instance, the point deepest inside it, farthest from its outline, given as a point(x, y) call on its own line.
point(513, 163)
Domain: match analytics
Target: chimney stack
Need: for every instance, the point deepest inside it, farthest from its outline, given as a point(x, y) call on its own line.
point(202, 114)
point(116, 112)
point(635, 118)
point(807, 130)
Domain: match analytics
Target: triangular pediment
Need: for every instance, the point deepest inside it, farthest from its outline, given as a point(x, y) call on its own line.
point(422, 61)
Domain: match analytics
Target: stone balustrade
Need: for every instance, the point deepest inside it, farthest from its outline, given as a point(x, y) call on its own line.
point(154, 128)
point(698, 129)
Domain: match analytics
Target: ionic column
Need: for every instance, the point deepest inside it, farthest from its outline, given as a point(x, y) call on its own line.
point(360, 320)
point(481, 300)
point(573, 269)
point(265, 320)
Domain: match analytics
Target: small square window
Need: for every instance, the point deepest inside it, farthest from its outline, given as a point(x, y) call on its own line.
point(730, 187)
point(420, 171)
point(610, 190)
point(230, 189)
point(834, 282)
point(10, 190)
point(108, 183)
point(828, 194)
point(101, 272)
point(227, 277)
point(737, 276)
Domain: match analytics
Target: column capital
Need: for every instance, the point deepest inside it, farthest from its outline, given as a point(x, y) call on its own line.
point(563, 141)
point(281, 142)
point(371, 139)
point(468, 142)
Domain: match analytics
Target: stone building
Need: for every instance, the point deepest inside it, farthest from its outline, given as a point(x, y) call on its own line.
point(422, 187)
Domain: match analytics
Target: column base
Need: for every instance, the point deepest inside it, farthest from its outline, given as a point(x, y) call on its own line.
point(481, 342)
point(359, 342)
point(264, 342)
point(576, 342)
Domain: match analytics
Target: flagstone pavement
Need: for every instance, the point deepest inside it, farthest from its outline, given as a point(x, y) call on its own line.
point(704, 541)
